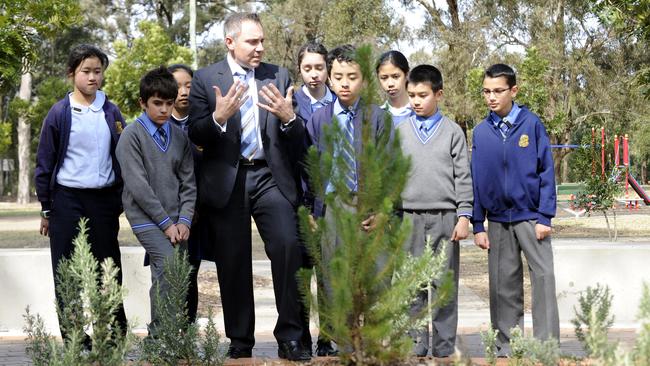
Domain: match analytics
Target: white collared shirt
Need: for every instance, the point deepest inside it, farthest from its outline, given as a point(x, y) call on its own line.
point(88, 162)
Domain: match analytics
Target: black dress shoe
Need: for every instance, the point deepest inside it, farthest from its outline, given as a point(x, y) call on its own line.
point(324, 348)
point(292, 351)
point(236, 352)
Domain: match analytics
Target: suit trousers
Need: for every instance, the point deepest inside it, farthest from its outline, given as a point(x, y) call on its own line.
point(102, 208)
point(438, 225)
point(507, 241)
point(256, 194)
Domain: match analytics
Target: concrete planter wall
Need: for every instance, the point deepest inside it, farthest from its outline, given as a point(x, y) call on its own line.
point(26, 279)
point(623, 266)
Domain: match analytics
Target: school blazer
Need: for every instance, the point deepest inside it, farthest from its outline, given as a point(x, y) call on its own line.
point(314, 137)
point(221, 150)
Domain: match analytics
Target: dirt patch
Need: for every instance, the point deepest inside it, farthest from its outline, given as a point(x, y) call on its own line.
point(474, 274)
point(209, 291)
point(629, 225)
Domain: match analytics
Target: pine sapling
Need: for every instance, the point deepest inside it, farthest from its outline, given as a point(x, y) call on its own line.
point(373, 280)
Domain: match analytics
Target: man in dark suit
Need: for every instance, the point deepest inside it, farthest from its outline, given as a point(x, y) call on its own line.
point(243, 117)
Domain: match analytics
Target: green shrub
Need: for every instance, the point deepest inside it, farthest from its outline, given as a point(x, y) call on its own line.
point(91, 296)
point(176, 339)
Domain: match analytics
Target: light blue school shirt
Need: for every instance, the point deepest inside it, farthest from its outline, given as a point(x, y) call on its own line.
point(87, 162)
point(317, 104)
point(427, 126)
point(152, 129)
point(511, 117)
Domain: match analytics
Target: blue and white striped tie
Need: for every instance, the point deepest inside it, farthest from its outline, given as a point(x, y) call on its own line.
point(349, 153)
point(248, 146)
point(503, 126)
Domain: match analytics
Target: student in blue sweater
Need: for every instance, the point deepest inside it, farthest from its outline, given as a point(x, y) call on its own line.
point(514, 188)
point(314, 93)
point(77, 174)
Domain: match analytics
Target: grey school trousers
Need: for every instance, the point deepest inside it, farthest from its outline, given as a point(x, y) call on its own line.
point(330, 243)
point(507, 241)
point(438, 225)
point(160, 249)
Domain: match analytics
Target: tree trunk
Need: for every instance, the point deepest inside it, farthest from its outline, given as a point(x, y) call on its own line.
point(565, 168)
point(24, 139)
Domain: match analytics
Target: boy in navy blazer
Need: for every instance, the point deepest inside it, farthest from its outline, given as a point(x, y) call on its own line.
point(347, 110)
point(514, 187)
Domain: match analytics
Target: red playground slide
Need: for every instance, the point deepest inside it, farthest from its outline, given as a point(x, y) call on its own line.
point(637, 188)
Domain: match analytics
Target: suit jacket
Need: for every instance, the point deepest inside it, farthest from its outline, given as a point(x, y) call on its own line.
point(314, 136)
point(221, 150)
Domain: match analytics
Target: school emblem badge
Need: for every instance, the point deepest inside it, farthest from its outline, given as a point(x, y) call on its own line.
point(523, 141)
point(118, 127)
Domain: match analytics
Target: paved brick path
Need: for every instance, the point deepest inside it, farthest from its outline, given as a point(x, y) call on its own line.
point(12, 349)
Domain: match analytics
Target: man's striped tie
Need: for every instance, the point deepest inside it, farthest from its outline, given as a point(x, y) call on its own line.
point(349, 153)
point(248, 146)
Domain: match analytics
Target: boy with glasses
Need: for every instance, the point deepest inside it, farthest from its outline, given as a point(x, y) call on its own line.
point(514, 186)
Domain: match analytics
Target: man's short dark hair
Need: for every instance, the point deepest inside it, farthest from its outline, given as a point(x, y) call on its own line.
point(499, 70)
point(345, 53)
point(426, 74)
point(158, 82)
point(82, 52)
point(175, 67)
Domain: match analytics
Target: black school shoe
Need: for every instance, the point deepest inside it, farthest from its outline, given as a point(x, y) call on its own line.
point(236, 352)
point(325, 348)
point(293, 351)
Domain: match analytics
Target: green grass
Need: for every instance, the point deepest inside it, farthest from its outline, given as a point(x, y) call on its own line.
point(27, 213)
point(32, 239)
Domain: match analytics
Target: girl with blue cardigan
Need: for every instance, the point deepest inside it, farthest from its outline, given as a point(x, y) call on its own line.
point(77, 174)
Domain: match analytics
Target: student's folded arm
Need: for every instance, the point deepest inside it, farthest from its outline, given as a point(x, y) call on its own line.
point(546, 171)
point(462, 174)
point(202, 129)
point(46, 156)
point(187, 194)
point(129, 155)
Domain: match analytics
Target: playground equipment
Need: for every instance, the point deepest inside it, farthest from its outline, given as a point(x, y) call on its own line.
point(630, 181)
point(620, 169)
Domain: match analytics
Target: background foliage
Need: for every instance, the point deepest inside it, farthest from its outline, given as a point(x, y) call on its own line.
point(580, 63)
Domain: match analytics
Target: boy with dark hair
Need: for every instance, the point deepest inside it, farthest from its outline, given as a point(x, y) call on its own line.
point(514, 187)
point(346, 81)
point(439, 158)
point(159, 188)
